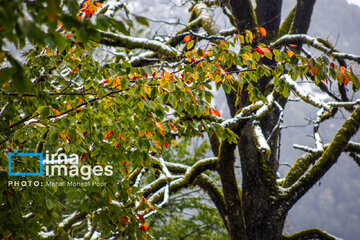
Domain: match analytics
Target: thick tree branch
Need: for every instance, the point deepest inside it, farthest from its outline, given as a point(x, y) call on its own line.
point(313, 233)
point(117, 40)
point(231, 191)
point(304, 9)
point(315, 43)
point(327, 159)
point(243, 14)
point(268, 15)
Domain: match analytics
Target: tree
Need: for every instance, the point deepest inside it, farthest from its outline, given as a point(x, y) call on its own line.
point(89, 85)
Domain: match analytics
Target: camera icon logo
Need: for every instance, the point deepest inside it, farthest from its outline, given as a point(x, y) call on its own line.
point(16, 154)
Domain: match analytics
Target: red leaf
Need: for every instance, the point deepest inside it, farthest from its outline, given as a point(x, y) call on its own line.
point(144, 98)
point(68, 35)
point(173, 127)
point(259, 50)
point(314, 70)
point(127, 163)
point(95, 197)
point(123, 220)
point(109, 135)
point(166, 144)
point(141, 217)
point(84, 157)
point(262, 31)
point(214, 112)
point(105, 81)
point(144, 227)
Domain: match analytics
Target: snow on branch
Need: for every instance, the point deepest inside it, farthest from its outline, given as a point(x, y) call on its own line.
point(67, 223)
point(350, 147)
point(265, 107)
point(312, 233)
point(315, 43)
point(261, 142)
point(174, 184)
point(307, 97)
point(327, 159)
point(247, 112)
point(118, 40)
point(344, 104)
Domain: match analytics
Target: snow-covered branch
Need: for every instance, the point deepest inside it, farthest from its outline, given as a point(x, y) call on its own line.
point(261, 142)
point(307, 97)
point(67, 223)
point(313, 233)
point(315, 43)
point(118, 40)
point(327, 159)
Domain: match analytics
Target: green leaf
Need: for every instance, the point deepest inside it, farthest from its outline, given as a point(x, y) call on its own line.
point(142, 21)
point(190, 44)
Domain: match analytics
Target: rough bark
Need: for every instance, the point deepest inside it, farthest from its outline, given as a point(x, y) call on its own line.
point(268, 16)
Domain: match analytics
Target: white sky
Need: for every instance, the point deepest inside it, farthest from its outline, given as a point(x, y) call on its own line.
point(357, 2)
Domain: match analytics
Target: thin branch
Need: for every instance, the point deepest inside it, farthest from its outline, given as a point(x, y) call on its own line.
point(4, 109)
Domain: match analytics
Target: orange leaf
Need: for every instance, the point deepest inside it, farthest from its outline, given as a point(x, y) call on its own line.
point(95, 197)
point(68, 35)
point(98, 4)
point(262, 31)
point(214, 112)
point(290, 53)
point(158, 144)
point(343, 70)
point(187, 38)
point(144, 227)
point(57, 112)
point(105, 81)
point(204, 53)
point(160, 126)
point(292, 45)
